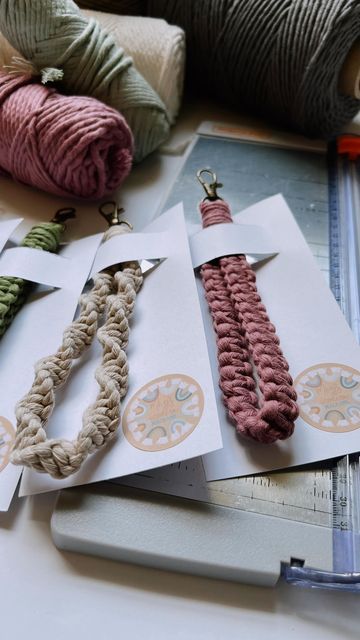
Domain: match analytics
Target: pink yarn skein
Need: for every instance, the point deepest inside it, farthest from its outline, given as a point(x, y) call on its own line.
point(66, 145)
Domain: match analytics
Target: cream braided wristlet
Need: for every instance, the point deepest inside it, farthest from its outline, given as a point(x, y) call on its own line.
point(113, 293)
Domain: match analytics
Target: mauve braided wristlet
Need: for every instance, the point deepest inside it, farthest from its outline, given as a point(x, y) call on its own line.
point(248, 347)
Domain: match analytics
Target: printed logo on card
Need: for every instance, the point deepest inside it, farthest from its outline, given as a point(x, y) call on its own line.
point(329, 397)
point(7, 437)
point(163, 412)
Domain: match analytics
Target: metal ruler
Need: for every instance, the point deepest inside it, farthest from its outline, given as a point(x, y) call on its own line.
point(344, 242)
point(342, 516)
point(344, 226)
point(300, 495)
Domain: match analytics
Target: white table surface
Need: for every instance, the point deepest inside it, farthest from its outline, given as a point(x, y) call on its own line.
point(45, 593)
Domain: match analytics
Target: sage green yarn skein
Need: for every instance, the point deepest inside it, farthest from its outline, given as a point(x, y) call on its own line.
point(55, 34)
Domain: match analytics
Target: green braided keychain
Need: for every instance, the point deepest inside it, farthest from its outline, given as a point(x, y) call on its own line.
point(45, 236)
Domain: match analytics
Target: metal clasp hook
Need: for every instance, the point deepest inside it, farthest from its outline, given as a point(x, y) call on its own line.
point(64, 214)
point(209, 187)
point(112, 217)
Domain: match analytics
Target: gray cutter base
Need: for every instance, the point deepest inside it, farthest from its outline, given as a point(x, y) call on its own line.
point(166, 532)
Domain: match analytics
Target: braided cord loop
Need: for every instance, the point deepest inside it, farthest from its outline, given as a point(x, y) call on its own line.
point(113, 293)
point(248, 347)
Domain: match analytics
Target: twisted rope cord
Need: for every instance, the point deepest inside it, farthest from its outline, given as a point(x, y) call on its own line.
point(58, 457)
point(13, 291)
point(101, 419)
point(246, 337)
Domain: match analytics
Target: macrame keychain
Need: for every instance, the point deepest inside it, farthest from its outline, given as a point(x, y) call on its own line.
point(113, 295)
point(45, 236)
point(247, 344)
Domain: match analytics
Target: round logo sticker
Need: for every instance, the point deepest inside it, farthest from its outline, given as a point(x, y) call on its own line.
point(7, 437)
point(163, 412)
point(329, 397)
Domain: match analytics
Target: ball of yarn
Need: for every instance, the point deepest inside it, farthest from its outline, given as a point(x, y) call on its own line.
point(280, 58)
point(69, 146)
point(157, 49)
point(54, 33)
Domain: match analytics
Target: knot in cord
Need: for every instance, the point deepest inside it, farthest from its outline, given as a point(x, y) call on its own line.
point(214, 212)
